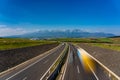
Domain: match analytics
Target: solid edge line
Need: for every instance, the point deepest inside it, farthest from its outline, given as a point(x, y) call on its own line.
point(19, 65)
point(66, 64)
point(93, 72)
point(28, 66)
point(100, 63)
point(53, 63)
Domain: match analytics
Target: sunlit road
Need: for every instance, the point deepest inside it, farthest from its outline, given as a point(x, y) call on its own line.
point(76, 71)
point(79, 67)
point(35, 70)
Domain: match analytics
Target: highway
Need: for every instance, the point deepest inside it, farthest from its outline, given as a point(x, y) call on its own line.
point(75, 70)
point(35, 70)
point(78, 67)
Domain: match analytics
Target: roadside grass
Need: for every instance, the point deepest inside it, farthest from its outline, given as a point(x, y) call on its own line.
point(109, 43)
point(84, 40)
point(116, 40)
point(11, 43)
point(107, 46)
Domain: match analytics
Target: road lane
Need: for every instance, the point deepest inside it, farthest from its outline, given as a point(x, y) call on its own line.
point(37, 70)
point(95, 68)
point(109, 58)
point(76, 71)
point(73, 70)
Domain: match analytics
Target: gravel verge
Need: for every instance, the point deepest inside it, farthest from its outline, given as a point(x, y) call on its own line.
point(13, 57)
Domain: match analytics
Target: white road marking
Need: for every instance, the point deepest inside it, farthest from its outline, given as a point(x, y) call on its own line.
point(78, 69)
point(27, 67)
point(46, 61)
point(24, 78)
point(106, 68)
point(93, 72)
point(53, 63)
point(71, 57)
point(66, 64)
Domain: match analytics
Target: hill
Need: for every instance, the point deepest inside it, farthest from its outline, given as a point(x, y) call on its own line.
point(76, 33)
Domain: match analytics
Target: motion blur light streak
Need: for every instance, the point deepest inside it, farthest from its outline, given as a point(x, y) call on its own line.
point(87, 62)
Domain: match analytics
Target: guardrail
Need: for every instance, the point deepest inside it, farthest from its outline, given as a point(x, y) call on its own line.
point(54, 70)
point(26, 63)
point(108, 72)
point(64, 67)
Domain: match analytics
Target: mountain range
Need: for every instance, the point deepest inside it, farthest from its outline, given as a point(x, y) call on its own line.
point(76, 33)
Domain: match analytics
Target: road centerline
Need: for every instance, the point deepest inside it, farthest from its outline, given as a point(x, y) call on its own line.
point(45, 61)
point(78, 69)
point(28, 67)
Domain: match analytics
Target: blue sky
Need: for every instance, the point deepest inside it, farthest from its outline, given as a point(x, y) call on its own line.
point(22, 16)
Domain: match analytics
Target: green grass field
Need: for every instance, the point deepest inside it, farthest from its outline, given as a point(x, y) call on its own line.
point(84, 40)
point(107, 46)
point(11, 43)
point(114, 45)
point(109, 43)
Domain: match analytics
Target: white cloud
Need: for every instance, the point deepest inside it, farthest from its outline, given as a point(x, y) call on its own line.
point(8, 31)
point(2, 26)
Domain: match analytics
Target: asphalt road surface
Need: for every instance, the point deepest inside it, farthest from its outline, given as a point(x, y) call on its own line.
point(35, 70)
point(76, 71)
point(109, 58)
